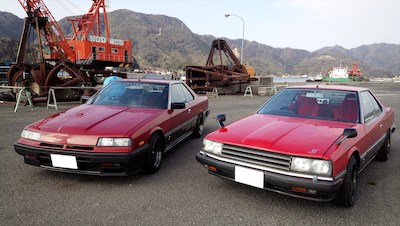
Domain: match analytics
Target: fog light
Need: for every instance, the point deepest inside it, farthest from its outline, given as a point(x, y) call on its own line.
point(312, 192)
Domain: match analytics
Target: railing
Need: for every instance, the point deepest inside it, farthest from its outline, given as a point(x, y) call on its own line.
point(104, 57)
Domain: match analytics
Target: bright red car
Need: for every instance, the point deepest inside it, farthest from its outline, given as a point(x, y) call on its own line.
point(125, 127)
point(309, 142)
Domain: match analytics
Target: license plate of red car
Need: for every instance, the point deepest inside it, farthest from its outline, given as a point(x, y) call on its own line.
point(64, 161)
point(249, 176)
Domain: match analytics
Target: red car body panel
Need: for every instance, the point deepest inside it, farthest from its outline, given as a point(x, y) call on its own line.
point(285, 135)
point(316, 132)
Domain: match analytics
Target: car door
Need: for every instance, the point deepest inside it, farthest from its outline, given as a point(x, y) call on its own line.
point(372, 118)
point(180, 118)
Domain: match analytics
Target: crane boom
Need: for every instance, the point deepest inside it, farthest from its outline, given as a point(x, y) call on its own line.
point(51, 31)
point(90, 22)
point(46, 57)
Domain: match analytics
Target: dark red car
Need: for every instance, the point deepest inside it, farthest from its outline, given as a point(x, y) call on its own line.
point(309, 142)
point(125, 127)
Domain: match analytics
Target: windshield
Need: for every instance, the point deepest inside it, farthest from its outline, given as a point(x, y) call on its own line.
point(314, 103)
point(133, 94)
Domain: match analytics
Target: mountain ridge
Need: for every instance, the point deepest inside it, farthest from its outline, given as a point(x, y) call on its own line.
point(160, 41)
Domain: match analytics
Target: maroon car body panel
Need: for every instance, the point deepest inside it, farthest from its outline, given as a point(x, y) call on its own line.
point(76, 131)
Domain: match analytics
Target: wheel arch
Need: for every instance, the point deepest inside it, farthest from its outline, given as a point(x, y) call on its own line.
point(159, 132)
point(356, 155)
point(200, 116)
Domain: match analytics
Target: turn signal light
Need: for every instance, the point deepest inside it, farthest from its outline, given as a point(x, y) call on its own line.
point(106, 164)
point(299, 189)
point(31, 157)
point(304, 190)
point(212, 168)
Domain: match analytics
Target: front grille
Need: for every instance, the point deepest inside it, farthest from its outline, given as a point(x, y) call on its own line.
point(256, 157)
point(85, 148)
point(51, 145)
point(72, 147)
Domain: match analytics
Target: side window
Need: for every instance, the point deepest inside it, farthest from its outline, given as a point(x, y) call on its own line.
point(188, 96)
point(367, 105)
point(177, 94)
point(377, 107)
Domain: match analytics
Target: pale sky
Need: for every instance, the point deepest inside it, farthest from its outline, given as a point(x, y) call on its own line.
point(300, 24)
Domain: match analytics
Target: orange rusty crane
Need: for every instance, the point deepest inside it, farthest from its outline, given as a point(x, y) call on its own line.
point(88, 52)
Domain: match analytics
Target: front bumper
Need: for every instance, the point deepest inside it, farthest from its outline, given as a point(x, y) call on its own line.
point(103, 164)
point(288, 185)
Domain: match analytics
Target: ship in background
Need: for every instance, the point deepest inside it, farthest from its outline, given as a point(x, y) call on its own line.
point(344, 74)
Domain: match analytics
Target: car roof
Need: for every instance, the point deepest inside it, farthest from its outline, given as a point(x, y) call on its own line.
point(160, 81)
point(330, 87)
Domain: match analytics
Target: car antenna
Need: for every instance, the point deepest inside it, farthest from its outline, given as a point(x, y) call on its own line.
point(318, 84)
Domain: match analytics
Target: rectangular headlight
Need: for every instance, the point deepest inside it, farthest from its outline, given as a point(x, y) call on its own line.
point(212, 147)
point(30, 135)
point(114, 142)
point(311, 166)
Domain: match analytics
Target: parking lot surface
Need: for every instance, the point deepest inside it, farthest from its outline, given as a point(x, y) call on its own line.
point(182, 192)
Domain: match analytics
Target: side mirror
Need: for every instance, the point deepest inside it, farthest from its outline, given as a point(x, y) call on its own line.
point(221, 119)
point(178, 105)
point(347, 133)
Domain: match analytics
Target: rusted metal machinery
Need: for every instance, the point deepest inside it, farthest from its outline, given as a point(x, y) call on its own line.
point(355, 72)
point(57, 61)
point(222, 70)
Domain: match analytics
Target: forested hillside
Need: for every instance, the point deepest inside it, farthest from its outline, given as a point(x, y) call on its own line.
point(160, 41)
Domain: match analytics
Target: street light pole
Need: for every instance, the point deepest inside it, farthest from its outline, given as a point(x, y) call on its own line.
point(242, 53)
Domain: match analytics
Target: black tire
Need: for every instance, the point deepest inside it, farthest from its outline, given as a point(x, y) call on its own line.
point(348, 192)
point(199, 129)
point(155, 154)
point(384, 151)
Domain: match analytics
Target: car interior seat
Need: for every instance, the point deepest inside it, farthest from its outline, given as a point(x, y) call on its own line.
point(306, 106)
point(348, 111)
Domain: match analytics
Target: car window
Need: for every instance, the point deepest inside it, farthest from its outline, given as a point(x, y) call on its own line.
point(177, 94)
point(314, 103)
point(370, 106)
point(133, 94)
point(377, 106)
point(188, 95)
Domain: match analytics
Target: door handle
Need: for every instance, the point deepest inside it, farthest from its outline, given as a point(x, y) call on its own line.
point(380, 126)
point(189, 110)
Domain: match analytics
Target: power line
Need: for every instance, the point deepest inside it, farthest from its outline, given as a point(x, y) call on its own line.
point(65, 7)
point(81, 11)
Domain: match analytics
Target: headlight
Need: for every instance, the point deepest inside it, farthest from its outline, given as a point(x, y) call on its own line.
point(313, 166)
point(30, 135)
point(212, 147)
point(114, 142)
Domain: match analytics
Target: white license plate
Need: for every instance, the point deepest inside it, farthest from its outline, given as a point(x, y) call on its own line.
point(64, 161)
point(250, 177)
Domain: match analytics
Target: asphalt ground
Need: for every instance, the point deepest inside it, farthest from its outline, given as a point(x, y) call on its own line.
point(182, 192)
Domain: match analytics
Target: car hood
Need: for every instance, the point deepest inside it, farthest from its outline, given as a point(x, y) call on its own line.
point(286, 135)
point(96, 119)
